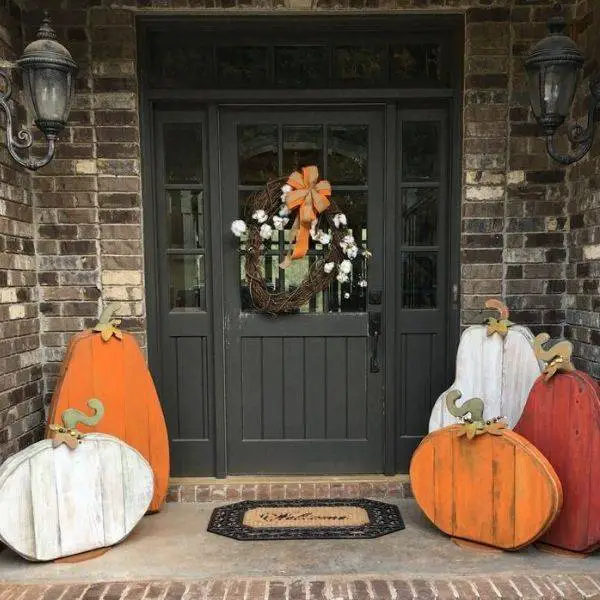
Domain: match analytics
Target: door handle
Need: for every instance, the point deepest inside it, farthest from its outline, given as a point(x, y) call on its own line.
point(374, 333)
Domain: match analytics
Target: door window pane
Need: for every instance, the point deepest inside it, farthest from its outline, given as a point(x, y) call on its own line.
point(258, 153)
point(185, 218)
point(242, 66)
point(183, 153)
point(419, 216)
point(359, 65)
point(411, 62)
point(301, 66)
point(347, 149)
point(302, 147)
point(419, 279)
point(354, 205)
point(187, 282)
point(420, 151)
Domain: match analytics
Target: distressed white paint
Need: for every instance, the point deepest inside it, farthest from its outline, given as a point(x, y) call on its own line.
point(56, 502)
point(500, 371)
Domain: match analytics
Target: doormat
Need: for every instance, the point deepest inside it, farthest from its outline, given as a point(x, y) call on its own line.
point(255, 520)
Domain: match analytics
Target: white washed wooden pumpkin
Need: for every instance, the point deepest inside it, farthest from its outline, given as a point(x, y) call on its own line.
point(499, 369)
point(57, 502)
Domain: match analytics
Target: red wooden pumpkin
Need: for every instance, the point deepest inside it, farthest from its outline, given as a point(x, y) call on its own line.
point(562, 419)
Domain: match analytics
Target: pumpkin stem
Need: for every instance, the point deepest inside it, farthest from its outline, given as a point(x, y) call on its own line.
point(499, 306)
point(474, 406)
point(106, 316)
point(557, 357)
point(72, 416)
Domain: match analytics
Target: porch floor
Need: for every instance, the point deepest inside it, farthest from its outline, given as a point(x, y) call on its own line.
point(174, 545)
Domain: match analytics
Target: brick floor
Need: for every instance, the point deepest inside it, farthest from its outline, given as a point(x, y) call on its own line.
point(559, 587)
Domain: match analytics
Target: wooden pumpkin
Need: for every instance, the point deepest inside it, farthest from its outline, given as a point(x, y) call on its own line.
point(59, 499)
point(495, 488)
point(107, 363)
point(562, 419)
point(494, 361)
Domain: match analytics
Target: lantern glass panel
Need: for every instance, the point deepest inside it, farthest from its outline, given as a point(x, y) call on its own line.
point(552, 89)
point(49, 91)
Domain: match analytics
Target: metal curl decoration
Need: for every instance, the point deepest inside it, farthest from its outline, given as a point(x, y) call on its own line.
point(24, 138)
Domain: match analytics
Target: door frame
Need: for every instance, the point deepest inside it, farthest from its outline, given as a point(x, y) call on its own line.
point(449, 98)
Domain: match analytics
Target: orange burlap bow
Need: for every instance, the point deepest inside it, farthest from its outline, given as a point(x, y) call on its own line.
point(312, 197)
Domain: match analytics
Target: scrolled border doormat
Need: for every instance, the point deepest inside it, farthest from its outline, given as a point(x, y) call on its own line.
point(255, 520)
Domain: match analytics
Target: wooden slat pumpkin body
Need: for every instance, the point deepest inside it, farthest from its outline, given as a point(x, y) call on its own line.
point(499, 369)
point(56, 502)
point(494, 490)
point(562, 419)
point(115, 372)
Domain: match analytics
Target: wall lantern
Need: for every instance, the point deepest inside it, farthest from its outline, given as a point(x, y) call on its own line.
point(554, 68)
point(48, 78)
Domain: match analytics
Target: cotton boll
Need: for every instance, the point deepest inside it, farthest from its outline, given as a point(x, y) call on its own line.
point(284, 211)
point(238, 228)
point(362, 283)
point(342, 277)
point(328, 267)
point(279, 222)
point(265, 231)
point(346, 267)
point(286, 188)
point(260, 216)
point(351, 252)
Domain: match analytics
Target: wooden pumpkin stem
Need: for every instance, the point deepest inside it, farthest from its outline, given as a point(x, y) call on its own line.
point(474, 406)
point(72, 416)
point(499, 306)
point(557, 357)
point(107, 314)
point(107, 326)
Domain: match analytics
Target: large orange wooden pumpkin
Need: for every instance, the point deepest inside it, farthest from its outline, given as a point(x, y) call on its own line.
point(497, 490)
point(562, 419)
point(108, 364)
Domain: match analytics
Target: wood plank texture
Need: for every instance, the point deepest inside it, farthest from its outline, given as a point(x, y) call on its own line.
point(562, 419)
point(58, 502)
point(115, 372)
point(494, 490)
point(498, 370)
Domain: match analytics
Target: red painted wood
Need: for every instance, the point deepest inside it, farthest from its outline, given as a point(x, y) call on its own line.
point(562, 419)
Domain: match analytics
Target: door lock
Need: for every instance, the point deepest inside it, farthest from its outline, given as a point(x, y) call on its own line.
point(374, 332)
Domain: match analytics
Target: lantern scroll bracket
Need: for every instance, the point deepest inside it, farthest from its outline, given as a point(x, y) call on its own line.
point(23, 139)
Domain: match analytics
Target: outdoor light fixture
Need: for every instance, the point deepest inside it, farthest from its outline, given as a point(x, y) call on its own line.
point(554, 68)
point(48, 77)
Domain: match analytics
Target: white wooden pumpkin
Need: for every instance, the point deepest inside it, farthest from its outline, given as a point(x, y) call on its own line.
point(499, 368)
point(58, 501)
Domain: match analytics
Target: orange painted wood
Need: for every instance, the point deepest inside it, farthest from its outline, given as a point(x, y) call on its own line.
point(116, 373)
point(493, 490)
point(562, 419)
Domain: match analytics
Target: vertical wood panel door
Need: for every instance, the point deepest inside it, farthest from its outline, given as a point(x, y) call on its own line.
point(303, 392)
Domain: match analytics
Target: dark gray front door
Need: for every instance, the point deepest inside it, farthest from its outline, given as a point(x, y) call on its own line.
point(313, 392)
point(302, 394)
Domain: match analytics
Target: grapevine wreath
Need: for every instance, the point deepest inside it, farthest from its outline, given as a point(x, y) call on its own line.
point(302, 202)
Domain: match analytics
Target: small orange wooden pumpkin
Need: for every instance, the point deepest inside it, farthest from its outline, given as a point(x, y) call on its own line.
point(562, 419)
point(108, 364)
point(482, 482)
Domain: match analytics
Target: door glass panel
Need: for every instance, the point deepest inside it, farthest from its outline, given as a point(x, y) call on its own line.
point(419, 279)
point(242, 66)
point(258, 147)
point(301, 66)
point(183, 153)
point(347, 149)
point(419, 216)
point(359, 65)
point(420, 151)
point(411, 62)
point(187, 286)
point(302, 146)
point(354, 205)
point(185, 218)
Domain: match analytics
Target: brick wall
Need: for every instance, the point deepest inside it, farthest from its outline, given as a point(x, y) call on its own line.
point(21, 412)
point(88, 201)
point(583, 314)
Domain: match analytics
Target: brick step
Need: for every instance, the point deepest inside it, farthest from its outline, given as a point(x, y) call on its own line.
point(518, 587)
point(208, 489)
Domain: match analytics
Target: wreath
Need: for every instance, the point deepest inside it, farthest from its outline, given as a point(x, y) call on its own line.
point(301, 203)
